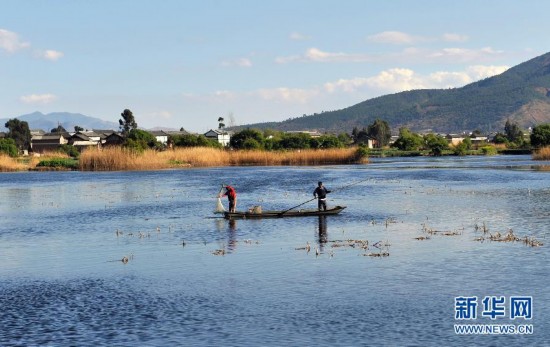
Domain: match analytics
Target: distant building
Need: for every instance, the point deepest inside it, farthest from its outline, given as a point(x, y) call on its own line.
point(455, 139)
point(161, 136)
point(221, 136)
point(313, 134)
point(48, 143)
point(114, 139)
point(82, 140)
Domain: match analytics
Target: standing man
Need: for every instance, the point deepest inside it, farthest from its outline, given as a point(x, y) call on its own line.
point(321, 194)
point(231, 197)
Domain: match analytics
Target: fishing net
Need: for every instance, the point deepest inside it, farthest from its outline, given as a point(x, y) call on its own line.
point(219, 205)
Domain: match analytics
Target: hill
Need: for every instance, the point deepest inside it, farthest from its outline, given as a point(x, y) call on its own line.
point(521, 94)
point(46, 122)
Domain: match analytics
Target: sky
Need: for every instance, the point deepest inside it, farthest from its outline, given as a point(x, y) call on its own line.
point(185, 63)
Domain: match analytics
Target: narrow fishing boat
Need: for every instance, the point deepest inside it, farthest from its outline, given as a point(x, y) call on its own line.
point(256, 213)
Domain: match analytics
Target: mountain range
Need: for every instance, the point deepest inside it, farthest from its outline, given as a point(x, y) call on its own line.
point(521, 94)
point(47, 122)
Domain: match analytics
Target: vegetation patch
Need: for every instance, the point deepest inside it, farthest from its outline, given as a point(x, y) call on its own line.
point(58, 163)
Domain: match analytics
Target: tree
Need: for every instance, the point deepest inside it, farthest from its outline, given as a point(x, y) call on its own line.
point(463, 147)
point(77, 128)
point(140, 140)
point(360, 136)
point(541, 135)
point(221, 123)
point(238, 139)
point(408, 141)
point(513, 132)
point(500, 138)
point(295, 141)
point(59, 129)
point(435, 143)
point(8, 147)
point(127, 123)
point(19, 131)
point(380, 131)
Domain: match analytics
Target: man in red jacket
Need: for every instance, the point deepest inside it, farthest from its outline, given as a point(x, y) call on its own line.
point(232, 197)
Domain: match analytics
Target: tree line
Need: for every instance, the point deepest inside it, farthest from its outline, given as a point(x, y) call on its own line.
point(19, 138)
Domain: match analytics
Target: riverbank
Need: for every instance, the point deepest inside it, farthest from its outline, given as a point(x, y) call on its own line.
point(121, 159)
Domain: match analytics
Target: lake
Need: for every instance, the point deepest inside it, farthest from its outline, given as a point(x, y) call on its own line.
point(140, 259)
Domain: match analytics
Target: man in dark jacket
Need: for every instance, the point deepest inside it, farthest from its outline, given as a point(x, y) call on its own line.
point(321, 194)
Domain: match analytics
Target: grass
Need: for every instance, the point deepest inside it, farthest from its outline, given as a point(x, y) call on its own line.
point(542, 154)
point(9, 164)
point(59, 163)
point(118, 158)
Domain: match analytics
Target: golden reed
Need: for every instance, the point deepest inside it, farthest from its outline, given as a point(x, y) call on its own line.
point(8, 164)
point(121, 159)
point(542, 154)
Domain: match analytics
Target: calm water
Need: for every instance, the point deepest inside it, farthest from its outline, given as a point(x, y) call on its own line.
point(63, 236)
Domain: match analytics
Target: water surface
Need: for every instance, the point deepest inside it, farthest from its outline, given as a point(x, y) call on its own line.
point(63, 236)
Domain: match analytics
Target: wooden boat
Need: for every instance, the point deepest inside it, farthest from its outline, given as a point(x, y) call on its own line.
point(252, 214)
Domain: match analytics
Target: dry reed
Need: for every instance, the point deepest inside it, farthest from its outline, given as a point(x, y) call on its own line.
point(118, 158)
point(542, 154)
point(8, 164)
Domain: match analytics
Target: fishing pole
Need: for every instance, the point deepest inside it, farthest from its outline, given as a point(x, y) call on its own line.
point(349, 185)
point(340, 188)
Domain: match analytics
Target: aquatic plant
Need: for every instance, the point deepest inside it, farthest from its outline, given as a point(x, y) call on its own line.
point(542, 154)
point(117, 158)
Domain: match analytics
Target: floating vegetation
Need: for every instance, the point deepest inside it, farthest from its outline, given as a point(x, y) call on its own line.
point(362, 245)
point(422, 238)
point(124, 259)
point(509, 237)
point(380, 254)
point(389, 221)
point(430, 231)
point(219, 252)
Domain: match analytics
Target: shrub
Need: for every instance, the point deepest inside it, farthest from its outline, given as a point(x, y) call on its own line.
point(488, 150)
point(67, 163)
point(8, 147)
point(70, 150)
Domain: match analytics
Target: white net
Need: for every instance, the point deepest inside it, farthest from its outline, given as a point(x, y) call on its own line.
point(219, 205)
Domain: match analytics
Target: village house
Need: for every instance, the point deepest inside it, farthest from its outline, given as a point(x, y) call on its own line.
point(49, 142)
point(82, 140)
point(221, 136)
point(161, 136)
point(313, 134)
point(455, 139)
point(114, 139)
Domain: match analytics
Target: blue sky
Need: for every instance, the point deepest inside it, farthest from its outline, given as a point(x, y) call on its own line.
point(186, 63)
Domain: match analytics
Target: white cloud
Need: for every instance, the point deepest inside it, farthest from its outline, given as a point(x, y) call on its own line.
point(395, 38)
point(50, 54)
point(399, 79)
point(10, 42)
point(161, 114)
point(38, 98)
point(241, 62)
point(292, 95)
point(454, 37)
point(317, 55)
point(463, 54)
point(298, 37)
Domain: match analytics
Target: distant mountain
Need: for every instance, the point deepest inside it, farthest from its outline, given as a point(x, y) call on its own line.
point(521, 94)
point(46, 122)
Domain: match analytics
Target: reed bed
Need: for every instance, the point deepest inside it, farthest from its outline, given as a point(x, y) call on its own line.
point(542, 154)
point(118, 158)
point(9, 164)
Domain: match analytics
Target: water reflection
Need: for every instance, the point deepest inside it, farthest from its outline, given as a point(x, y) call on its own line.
point(322, 232)
point(231, 235)
point(229, 228)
